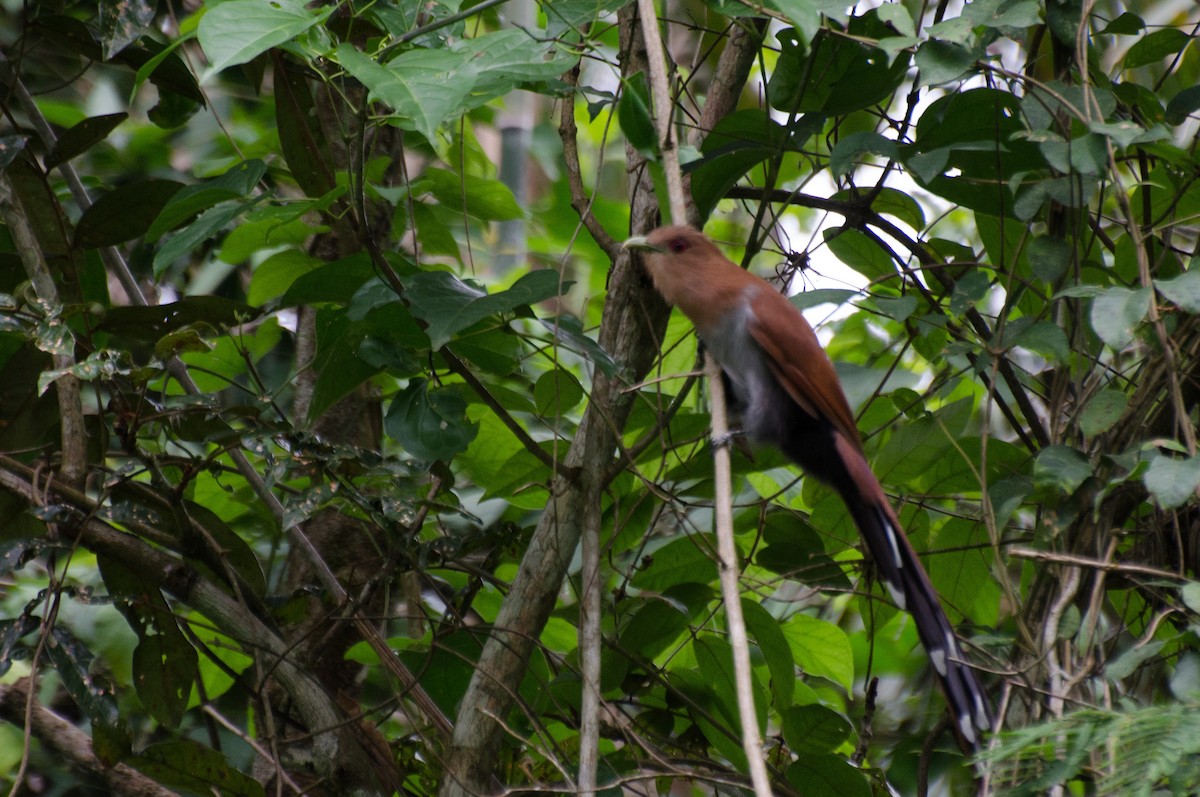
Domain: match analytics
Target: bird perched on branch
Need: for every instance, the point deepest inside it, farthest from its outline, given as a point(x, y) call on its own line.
point(788, 395)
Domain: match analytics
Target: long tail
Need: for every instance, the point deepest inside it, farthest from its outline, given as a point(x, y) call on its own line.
point(912, 591)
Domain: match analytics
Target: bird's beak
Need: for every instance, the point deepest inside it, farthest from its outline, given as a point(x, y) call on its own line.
point(642, 244)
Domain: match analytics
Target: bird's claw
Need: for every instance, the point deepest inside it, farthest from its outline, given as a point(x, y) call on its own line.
point(724, 440)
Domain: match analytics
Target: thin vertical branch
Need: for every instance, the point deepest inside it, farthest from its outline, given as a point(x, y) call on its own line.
point(723, 507)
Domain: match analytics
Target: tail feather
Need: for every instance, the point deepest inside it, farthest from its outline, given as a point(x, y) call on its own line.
point(909, 586)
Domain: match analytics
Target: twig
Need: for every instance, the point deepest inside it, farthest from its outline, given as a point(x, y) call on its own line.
point(728, 563)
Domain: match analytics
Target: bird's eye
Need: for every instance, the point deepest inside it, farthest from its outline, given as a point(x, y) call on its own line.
point(677, 245)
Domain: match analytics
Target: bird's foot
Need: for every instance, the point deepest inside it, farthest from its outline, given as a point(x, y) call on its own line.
point(727, 439)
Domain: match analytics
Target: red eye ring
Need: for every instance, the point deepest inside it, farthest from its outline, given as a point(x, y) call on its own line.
point(677, 245)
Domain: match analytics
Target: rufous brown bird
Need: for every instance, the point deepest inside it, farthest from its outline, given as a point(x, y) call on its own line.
point(788, 395)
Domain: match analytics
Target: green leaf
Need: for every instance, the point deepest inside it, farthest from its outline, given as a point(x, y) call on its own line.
point(654, 627)
point(1049, 257)
point(1127, 24)
point(827, 775)
point(682, 561)
point(803, 14)
point(429, 424)
point(450, 305)
point(1117, 312)
point(556, 392)
point(1153, 47)
point(1191, 595)
point(1061, 468)
point(121, 24)
point(424, 89)
point(633, 115)
point(859, 251)
point(1183, 105)
point(1102, 411)
point(190, 237)
point(1046, 338)
point(194, 768)
point(814, 729)
point(331, 282)
point(764, 630)
point(82, 137)
point(91, 693)
point(237, 183)
point(942, 61)
point(568, 330)
point(124, 213)
point(238, 31)
point(1172, 481)
point(898, 17)
point(485, 199)
point(277, 273)
point(739, 142)
point(1183, 291)
point(844, 154)
point(714, 656)
point(821, 649)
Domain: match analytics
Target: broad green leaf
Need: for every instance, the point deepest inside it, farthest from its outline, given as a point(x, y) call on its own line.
point(194, 768)
point(1117, 312)
point(1102, 411)
point(896, 15)
point(124, 213)
point(450, 305)
point(121, 24)
point(815, 728)
point(556, 392)
point(859, 251)
point(1183, 105)
point(277, 274)
point(1049, 257)
point(1184, 290)
point(1003, 13)
point(237, 183)
point(1044, 337)
point(654, 627)
point(714, 655)
point(90, 692)
point(1127, 24)
point(332, 282)
point(633, 115)
point(1061, 468)
point(804, 14)
point(847, 150)
point(827, 775)
point(942, 61)
point(1172, 481)
point(238, 31)
point(425, 89)
point(187, 240)
point(682, 561)
point(739, 142)
point(1155, 46)
point(82, 137)
point(429, 424)
point(485, 199)
point(764, 630)
point(821, 649)
point(795, 550)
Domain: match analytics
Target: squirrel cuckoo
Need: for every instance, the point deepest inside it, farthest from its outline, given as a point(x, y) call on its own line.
point(788, 395)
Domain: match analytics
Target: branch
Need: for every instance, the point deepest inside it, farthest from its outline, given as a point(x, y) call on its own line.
point(71, 744)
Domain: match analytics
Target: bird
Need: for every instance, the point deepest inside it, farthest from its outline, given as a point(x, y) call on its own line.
point(785, 388)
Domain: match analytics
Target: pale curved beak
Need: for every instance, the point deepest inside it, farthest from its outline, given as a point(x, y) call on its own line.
point(642, 244)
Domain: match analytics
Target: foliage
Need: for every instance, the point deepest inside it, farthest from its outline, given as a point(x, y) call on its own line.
point(282, 438)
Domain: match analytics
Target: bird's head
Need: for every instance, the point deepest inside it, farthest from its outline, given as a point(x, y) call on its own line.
point(684, 264)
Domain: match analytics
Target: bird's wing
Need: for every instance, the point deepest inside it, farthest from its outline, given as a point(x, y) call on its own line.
point(798, 361)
